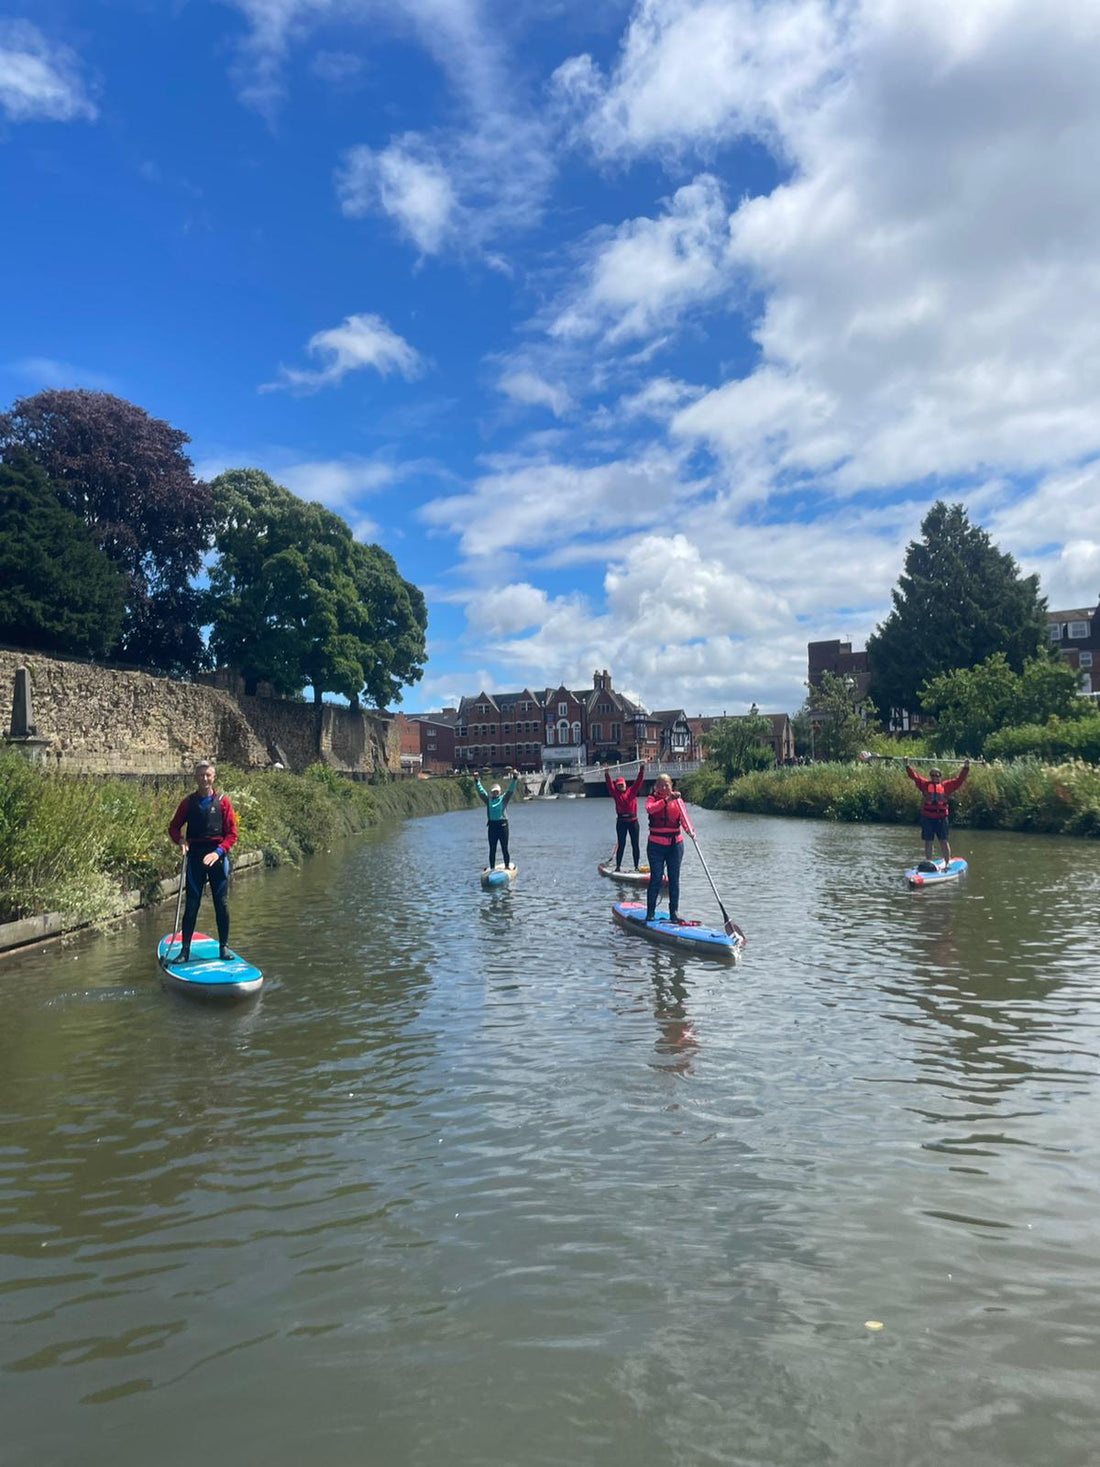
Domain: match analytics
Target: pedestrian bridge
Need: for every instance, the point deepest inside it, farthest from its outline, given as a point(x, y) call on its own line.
point(589, 779)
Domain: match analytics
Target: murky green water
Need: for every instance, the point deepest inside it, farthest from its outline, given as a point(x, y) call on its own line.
point(481, 1179)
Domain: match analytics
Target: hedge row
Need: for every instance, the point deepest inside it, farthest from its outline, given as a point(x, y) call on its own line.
point(1062, 799)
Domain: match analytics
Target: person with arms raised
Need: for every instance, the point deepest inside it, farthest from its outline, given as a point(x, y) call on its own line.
point(626, 812)
point(496, 804)
point(934, 807)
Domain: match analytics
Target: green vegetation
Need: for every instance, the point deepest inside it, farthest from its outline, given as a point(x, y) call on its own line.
point(125, 474)
point(738, 745)
point(73, 844)
point(973, 704)
point(1061, 799)
point(58, 590)
point(838, 717)
point(296, 599)
point(958, 601)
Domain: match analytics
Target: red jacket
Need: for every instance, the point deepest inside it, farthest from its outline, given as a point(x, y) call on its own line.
point(935, 792)
point(626, 801)
point(229, 825)
point(666, 820)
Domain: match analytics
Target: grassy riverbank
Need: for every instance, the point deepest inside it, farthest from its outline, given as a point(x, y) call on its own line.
point(1059, 799)
point(72, 844)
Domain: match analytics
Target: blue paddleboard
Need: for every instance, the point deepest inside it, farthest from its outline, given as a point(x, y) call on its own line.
point(688, 936)
point(499, 876)
point(206, 976)
point(955, 868)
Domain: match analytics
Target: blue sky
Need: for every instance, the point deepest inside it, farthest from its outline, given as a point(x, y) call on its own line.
point(642, 335)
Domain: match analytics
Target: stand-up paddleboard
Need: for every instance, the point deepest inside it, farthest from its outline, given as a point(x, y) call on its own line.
point(689, 936)
point(206, 976)
point(500, 876)
point(632, 878)
point(933, 873)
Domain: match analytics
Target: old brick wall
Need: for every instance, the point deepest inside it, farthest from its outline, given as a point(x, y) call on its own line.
point(101, 720)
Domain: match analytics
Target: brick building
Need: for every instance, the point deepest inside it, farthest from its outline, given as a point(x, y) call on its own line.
point(838, 658)
point(437, 739)
point(500, 731)
point(1076, 634)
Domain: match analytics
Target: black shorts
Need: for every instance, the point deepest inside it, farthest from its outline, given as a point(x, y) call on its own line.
point(933, 829)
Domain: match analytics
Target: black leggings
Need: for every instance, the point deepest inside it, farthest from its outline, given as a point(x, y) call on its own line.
point(663, 861)
point(624, 828)
point(498, 831)
point(197, 877)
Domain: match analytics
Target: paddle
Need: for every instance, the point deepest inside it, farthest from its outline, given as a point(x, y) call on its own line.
point(731, 927)
point(179, 907)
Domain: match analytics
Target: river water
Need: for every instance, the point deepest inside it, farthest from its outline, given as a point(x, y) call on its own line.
point(481, 1179)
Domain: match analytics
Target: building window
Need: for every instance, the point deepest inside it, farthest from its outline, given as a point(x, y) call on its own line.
point(616, 733)
point(597, 732)
point(563, 709)
point(576, 733)
point(506, 729)
point(1084, 659)
point(1078, 630)
point(563, 731)
point(549, 733)
point(1055, 630)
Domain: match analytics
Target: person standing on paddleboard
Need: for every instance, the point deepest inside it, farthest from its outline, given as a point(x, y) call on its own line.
point(626, 812)
point(495, 806)
point(665, 847)
point(211, 834)
point(934, 807)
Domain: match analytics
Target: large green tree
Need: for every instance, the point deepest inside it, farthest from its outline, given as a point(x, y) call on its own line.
point(126, 475)
point(739, 745)
point(970, 704)
point(295, 599)
point(958, 601)
point(58, 590)
point(839, 717)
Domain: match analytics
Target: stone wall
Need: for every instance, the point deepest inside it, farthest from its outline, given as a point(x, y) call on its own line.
point(101, 720)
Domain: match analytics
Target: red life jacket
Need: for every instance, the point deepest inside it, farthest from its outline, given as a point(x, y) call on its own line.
point(664, 820)
point(935, 802)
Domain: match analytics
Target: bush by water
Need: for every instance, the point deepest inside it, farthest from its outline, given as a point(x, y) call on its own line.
point(71, 844)
point(1026, 794)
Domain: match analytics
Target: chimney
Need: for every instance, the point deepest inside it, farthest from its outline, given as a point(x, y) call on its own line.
point(607, 680)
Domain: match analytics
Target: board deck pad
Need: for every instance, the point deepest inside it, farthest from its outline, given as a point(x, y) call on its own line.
point(693, 937)
point(206, 971)
point(957, 867)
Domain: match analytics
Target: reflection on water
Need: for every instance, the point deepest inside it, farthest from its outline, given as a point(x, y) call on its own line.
point(482, 1179)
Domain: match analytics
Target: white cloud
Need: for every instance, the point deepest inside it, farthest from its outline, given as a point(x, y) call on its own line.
point(928, 266)
point(527, 387)
point(40, 80)
point(697, 72)
point(50, 372)
point(535, 503)
point(360, 341)
point(405, 182)
point(644, 273)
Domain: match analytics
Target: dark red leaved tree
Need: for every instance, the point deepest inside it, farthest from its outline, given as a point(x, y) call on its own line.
point(126, 474)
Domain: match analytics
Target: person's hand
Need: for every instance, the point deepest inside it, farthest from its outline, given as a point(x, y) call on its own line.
point(183, 847)
point(606, 768)
point(675, 795)
point(209, 860)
